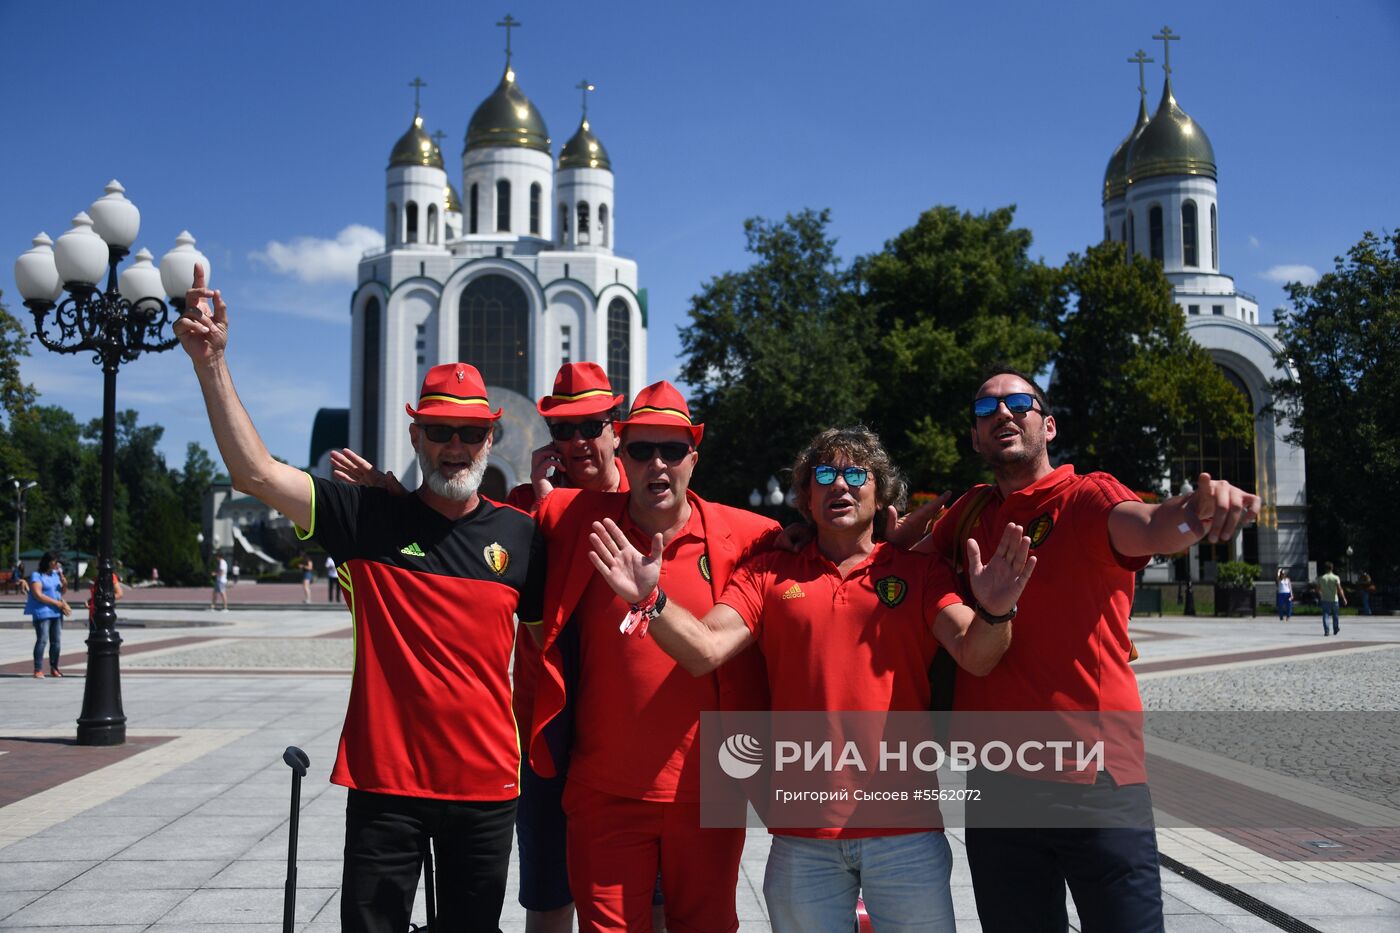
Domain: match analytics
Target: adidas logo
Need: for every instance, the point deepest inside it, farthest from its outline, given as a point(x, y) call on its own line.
point(413, 550)
point(794, 592)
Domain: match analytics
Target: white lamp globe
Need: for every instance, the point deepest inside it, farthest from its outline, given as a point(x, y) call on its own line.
point(114, 218)
point(141, 279)
point(80, 254)
point(35, 272)
point(177, 266)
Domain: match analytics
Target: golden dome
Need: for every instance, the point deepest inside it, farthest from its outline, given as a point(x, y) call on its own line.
point(1171, 144)
point(507, 118)
point(450, 201)
point(583, 150)
point(416, 147)
point(1115, 177)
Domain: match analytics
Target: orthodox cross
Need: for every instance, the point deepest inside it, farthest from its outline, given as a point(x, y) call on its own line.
point(584, 87)
point(1141, 59)
point(417, 84)
point(510, 22)
point(1167, 37)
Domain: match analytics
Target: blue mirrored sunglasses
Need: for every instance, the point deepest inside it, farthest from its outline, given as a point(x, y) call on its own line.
point(1018, 403)
point(854, 476)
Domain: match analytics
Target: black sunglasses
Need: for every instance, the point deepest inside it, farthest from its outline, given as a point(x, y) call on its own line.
point(442, 433)
point(854, 476)
point(646, 451)
point(1018, 403)
point(588, 430)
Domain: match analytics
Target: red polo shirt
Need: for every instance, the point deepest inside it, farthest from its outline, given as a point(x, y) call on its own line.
point(1069, 650)
point(860, 643)
point(639, 709)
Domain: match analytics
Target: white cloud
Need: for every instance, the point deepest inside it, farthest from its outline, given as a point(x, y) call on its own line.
point(314, 260)
point(1284, 274)
point(1253, 242)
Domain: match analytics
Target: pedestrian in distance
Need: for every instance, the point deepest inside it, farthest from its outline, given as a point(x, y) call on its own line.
point(332, 581)
point(46, 606)
point(1284, 595)
point(308, 573)
point(1331, 596)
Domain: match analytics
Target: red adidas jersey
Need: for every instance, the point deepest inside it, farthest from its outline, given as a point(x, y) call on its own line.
point(434, 602)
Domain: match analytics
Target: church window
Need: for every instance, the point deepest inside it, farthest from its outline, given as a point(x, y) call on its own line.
point(370, 365)
point(503, 206)
point(494, 331)
point(471, 228)
point(1214, 252)
point(1189, 243)
point(583, 221)
point(391, 224)
point(1154, 233)
point(1193, 309)
point(450, 232)
point(1107, 234)
point(1132, 236)
point(1217, 310)
point(411, 221)
point(432, 223)
point(535, 192)
point(603, 224)
point(620, 347)
point(563, 225)
point(1123, 232)
point(566, 344)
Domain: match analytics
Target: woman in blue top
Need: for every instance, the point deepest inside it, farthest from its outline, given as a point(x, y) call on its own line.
point(47, 606)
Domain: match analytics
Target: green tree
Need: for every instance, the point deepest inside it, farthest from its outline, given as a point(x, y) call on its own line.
point(1128, 379)
point(947, 298)
point(773, 354)
point(1342, 339)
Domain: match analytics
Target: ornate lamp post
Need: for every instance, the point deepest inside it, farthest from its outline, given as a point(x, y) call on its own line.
point(1190, 606)
point(116, 325)
point(21, 487)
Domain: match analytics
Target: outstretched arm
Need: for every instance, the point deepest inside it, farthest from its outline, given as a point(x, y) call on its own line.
point(698, 645)
point(1215, 510)
point(975, 644)
point(203, 332)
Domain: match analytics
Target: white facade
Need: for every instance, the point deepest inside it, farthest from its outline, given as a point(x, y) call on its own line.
point(1179, 185)
point(513, 294)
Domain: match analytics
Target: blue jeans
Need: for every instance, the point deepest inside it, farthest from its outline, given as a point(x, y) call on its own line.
point(811, 885)
point(1285, 606)
point(50, 630)
point(1332, 609)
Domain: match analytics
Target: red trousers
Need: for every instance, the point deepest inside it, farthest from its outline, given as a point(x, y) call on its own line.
point(616, 846)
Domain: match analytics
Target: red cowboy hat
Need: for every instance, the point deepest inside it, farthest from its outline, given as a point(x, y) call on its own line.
point(661, 403)
point(579, 389)
point(453, 390)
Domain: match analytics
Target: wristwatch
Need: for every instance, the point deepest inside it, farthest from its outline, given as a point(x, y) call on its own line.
point(990, 619)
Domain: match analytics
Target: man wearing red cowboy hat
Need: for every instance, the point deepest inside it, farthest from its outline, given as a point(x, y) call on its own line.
point(580, 413)
point(632, 787)
point(429, 746)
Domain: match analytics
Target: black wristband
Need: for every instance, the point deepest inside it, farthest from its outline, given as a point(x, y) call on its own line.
point(991, 619)
point(660, 602)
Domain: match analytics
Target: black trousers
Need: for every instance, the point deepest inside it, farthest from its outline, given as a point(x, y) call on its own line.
point(1019, 875)
point(386, 839)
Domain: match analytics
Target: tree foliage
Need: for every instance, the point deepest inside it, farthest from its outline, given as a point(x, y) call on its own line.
point(774, 354)
point(1128, 380)
point(949, 297)
point(1342, 339)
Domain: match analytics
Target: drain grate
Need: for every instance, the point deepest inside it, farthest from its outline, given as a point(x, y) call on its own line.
point(1239, 898)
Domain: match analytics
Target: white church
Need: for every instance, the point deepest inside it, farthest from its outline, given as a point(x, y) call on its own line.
point(517, 274)
point(1160, 199)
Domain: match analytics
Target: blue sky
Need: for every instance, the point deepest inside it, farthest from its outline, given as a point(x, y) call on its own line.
point(264, 128)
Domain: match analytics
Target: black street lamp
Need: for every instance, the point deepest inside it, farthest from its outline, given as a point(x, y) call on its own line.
point(116, 325)
point(21, 487)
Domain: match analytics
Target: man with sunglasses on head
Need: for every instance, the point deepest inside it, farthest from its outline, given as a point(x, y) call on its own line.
point(847, 623)
point(429, 748)
point(632, 793)
point(1071, 655)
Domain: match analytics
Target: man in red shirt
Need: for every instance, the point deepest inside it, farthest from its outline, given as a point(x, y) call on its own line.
point(845, 624)
point(581, 413)
point(632, 794)
point(429, 748)
point(1071, 654)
